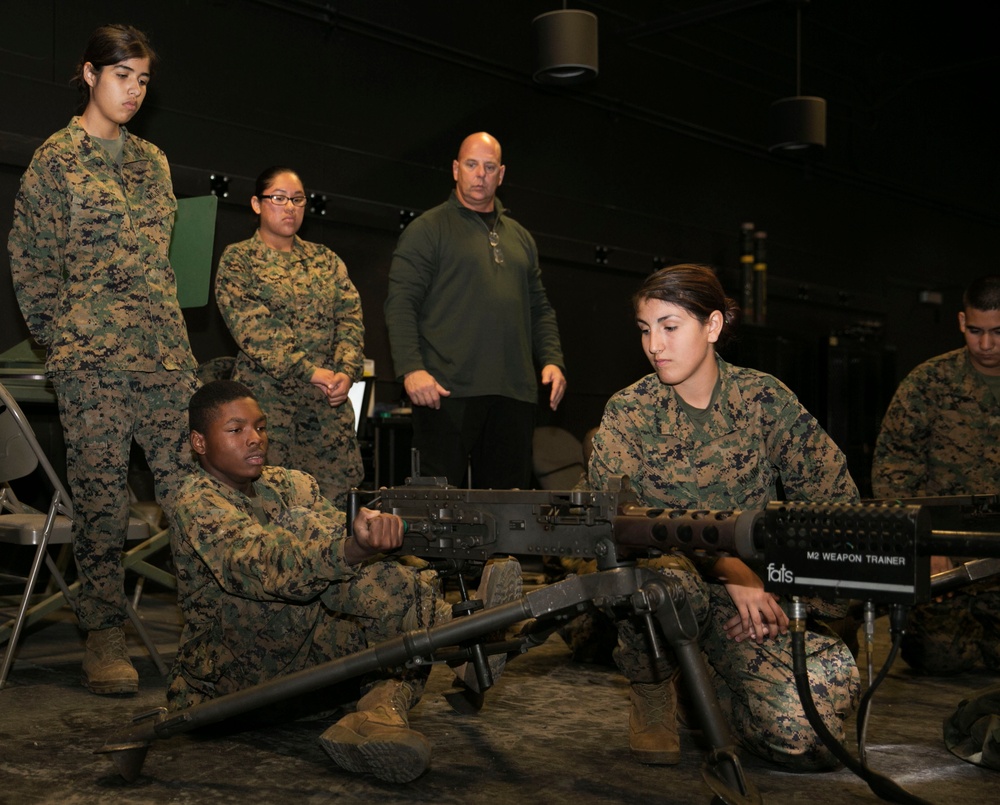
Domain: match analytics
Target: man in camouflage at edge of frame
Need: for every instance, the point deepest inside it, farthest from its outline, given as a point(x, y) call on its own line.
point(941, 436)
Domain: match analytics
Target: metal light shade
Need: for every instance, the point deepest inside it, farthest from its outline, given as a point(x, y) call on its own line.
point(798, 124)
point(565, 46)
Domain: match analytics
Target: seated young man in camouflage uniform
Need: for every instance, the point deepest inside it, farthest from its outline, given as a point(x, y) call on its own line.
point(270, 583)
point(941, 437)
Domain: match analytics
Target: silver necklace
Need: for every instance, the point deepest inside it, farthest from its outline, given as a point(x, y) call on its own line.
point(494, 238)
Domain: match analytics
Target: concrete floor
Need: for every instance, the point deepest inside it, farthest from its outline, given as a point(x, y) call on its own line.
point(552, 731)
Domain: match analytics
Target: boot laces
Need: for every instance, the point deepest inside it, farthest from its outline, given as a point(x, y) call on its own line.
point(111, 646)
point(655, 702)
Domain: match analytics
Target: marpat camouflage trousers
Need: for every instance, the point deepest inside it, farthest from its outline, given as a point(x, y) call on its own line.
point(101, 413)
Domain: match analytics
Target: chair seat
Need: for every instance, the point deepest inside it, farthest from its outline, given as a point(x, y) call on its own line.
point(28, 529)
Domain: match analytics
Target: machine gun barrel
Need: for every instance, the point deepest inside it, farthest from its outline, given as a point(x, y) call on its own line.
point(944, 542)
point(651, 594)
point(964, 574)
point(700, 532)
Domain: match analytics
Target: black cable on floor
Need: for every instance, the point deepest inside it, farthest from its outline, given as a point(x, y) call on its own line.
point(880, 785)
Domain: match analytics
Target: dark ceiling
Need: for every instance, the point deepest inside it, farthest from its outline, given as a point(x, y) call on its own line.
point(662, 156)
point(906, 83)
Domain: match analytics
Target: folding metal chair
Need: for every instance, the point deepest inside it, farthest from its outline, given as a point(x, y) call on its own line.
point(20, 456)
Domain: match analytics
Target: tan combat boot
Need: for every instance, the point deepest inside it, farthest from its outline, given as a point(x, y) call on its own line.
point(377, 739)
point(652, 723)
point(107, 667)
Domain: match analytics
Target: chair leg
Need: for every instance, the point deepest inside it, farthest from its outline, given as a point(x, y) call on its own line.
point(161, 666)
point(57, 576)
point(63, 560)
point(131, 609)
point(137, 593)
point(132, 561)
point(36, 566)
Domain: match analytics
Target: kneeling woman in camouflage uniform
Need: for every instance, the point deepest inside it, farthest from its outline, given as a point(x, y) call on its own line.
point(296, 317)
point(700, 433)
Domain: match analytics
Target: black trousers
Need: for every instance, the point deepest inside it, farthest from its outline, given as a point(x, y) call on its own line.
point(490, 433)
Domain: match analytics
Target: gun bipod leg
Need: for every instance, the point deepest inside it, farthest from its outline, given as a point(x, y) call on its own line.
point(722, 771)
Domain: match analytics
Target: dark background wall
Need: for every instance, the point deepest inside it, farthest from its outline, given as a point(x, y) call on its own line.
point(658, 160)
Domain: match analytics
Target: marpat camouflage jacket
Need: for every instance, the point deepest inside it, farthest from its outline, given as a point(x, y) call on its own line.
point(89, 256)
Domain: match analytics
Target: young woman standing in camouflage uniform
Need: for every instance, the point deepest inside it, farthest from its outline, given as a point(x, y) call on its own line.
point(89, 258)
point(296, 317)
point(700, 433)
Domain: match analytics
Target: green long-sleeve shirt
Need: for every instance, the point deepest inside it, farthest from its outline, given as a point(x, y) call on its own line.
point(477, 326)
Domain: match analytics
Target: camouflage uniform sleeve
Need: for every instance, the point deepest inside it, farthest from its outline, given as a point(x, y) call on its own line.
point(35, 248)
point(243, 298)
point(349, 332)
point(811, 466)
point(302, 489)
point(615, 448)
point(900, 461)
point(294, 558)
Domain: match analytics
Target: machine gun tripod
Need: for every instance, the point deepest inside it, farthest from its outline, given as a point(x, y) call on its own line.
point(654, 596)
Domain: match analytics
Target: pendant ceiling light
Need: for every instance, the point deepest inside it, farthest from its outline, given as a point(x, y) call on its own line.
point(565, 46)
point(798, 124)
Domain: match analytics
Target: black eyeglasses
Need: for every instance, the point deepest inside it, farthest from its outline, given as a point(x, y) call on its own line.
point(281, 201)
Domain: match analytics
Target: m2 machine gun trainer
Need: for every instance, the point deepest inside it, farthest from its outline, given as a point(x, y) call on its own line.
point(874, 551)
